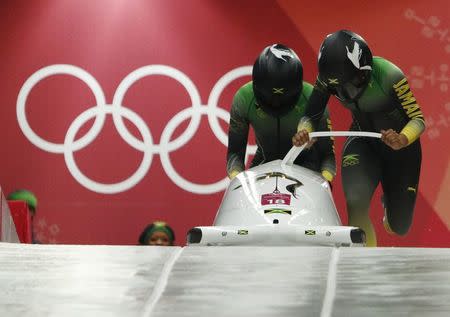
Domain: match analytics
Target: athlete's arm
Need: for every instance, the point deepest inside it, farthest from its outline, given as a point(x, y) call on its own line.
point(315, 107)
point(237, 137)
point(416, 124)
point(314, 111)
point(397, 84)
point(325, 147)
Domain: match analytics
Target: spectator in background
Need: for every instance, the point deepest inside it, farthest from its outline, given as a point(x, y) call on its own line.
point(158, 233)
point(31, 201)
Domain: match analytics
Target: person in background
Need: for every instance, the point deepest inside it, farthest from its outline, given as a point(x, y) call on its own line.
point(158, 233)
point(31, 201)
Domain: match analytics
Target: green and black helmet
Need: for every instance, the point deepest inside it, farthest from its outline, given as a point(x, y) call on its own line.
point(345, 64)
point(277, 79)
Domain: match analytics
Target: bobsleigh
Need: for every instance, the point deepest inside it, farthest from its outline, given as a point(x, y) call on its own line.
point(280, 204)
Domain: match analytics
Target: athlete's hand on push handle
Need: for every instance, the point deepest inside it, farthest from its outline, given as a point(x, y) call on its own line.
point(393, 139)
point(302, 137)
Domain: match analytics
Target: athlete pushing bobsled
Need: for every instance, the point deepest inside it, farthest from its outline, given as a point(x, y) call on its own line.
point(269, 196)
point(380, 99)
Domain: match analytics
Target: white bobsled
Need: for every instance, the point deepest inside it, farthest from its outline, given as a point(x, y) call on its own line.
point(280, 203)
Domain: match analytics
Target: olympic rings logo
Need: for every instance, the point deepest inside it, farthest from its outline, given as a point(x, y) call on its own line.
point(118, 112)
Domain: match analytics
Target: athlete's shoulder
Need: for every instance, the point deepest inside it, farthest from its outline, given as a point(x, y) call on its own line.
point(245, 94)
point(307, 89)
point(243, 99)
point(307, 86)
point(246, 89)
point(384, 65)
point(386, 72)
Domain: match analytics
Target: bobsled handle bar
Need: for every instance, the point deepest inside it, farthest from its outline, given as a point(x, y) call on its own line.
point(296, 150)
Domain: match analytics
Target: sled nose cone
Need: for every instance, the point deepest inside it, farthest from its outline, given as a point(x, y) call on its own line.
point(194, 235)
point(358, 236)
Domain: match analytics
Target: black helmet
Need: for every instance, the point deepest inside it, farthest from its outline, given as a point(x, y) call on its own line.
point(345, 64)
point(277, 79)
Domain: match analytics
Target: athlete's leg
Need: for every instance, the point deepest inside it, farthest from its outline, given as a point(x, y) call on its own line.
point(400, 179)
point(361, 172)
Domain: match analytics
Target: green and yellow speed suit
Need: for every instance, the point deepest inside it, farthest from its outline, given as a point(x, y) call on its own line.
point(274, 134)
point(386, 103)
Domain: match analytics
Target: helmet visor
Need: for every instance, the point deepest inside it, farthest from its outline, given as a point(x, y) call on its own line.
point(275, 104)
point(354, 88)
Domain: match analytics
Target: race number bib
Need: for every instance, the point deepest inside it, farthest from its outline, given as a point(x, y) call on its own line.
point(275, 199)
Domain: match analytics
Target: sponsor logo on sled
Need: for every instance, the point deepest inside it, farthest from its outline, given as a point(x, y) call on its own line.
point(275, 199)
point(242, 232)
point(310, 232)
point(224, 233)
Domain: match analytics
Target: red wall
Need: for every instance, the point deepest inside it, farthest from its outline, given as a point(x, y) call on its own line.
point(200, 41)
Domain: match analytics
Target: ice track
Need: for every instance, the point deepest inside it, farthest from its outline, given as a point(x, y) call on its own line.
point(70, 280)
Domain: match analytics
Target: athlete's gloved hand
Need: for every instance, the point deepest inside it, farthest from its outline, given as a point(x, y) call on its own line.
point(302, 137)
point(329, 177)
point(233, 174)
point(393, 139)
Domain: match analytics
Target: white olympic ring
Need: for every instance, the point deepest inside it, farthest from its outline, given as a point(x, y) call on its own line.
point(118, 111)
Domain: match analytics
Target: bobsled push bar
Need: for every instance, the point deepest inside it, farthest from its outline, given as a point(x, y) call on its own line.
point(296, 150)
